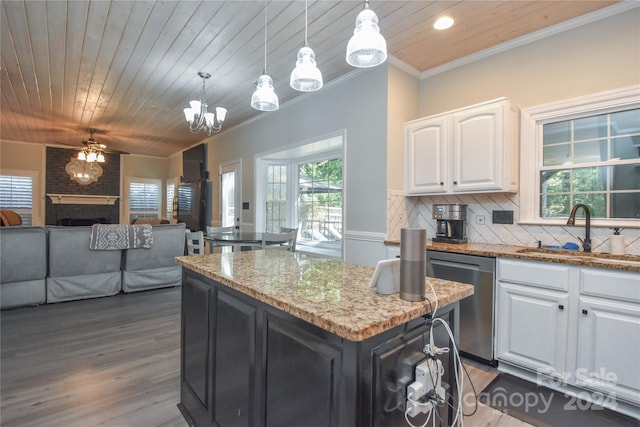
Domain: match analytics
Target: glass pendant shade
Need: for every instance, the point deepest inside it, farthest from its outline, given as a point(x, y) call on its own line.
point(100, 158)
point(367, 47)
point(306, 77)
point(208, 117)
point(82, 156)
point(221, 113)
point(265, 98)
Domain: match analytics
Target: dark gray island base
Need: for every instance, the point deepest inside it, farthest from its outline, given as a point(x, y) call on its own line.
point(245, 362)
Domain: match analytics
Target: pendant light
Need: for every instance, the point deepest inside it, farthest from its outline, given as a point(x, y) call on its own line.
point(265, 98)
point(366, 48)
point(306, 77)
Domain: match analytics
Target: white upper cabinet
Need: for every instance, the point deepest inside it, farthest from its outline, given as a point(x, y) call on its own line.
point(470, 150)
point(426, 156)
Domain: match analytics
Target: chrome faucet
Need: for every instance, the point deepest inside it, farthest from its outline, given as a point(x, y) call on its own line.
point(586, 243)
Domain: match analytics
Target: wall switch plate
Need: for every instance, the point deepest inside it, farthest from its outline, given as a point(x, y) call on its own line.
point(480, 219)
point(502, 217)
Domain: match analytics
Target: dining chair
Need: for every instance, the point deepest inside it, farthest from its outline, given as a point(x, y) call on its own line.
point(218, 230)
point(195, 242)
point(285, 241)
point(295, 236)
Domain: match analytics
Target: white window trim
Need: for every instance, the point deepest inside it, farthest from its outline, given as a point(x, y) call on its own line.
point(531, 149)
point(128, 180)
point(36, 197)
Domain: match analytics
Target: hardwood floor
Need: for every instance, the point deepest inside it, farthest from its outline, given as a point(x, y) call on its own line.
point(115, 361)
point(111, 361)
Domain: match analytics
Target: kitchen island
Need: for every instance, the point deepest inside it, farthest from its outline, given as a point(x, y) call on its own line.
point(273, 338)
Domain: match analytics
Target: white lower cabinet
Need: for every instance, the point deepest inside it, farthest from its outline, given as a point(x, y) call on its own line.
point(536, 334)
point(609, 348)
point(577, 323)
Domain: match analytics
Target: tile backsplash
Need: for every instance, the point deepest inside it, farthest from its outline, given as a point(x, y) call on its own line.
point(416, 212)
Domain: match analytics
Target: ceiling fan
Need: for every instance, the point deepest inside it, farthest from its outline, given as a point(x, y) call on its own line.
point(93, 151)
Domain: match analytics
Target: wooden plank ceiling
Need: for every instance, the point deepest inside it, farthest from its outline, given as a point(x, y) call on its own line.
point(128, 68)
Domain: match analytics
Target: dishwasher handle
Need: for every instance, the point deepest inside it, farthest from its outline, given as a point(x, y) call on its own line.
point(473, 267)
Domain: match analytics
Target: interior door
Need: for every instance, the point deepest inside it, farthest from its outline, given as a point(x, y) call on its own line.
point(230, 186)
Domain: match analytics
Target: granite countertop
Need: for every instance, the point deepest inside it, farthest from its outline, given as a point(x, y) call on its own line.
point(598, 260)
point(331, 294)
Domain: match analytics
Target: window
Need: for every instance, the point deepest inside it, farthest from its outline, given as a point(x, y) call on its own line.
point(320, 202)
point(144, 198)
point(575, 166)
point(16, 194)
point(302, 187)
point(585, 151)
point(276, 197)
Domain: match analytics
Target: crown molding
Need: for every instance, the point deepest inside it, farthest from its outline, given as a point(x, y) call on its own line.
point(589, 18)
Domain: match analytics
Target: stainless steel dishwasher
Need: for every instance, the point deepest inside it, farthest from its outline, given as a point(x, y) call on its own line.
point(476, 312)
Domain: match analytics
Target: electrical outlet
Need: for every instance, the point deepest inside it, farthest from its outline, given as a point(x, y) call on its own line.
point(480, 219)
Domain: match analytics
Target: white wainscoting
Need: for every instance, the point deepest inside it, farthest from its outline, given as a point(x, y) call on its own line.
point(364, 247)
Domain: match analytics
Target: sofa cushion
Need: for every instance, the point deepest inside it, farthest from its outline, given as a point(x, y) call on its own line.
point(23, 254)
point(155, 267)
point(168, 243)
point(69, 253)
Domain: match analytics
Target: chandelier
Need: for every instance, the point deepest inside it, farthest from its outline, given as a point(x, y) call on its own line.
point(199, 118)
point(92, 151)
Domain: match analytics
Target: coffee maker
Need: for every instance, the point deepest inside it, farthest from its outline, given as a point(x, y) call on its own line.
point(451, 224)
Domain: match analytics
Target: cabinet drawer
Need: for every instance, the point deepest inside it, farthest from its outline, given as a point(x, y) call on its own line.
point(545, 275)
point(610, 284)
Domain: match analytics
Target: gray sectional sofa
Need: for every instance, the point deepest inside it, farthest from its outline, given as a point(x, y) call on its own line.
point(53, 264)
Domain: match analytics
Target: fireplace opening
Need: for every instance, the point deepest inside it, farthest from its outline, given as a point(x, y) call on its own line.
point(77, 222)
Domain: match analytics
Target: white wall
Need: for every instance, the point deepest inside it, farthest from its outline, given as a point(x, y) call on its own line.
point(356, 104)
point(403, 106)
point(593, 58)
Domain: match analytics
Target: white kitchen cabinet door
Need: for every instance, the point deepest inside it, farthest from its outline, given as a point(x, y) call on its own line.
point(609, 348)
point(532, 328)
point(426, 156)
point(470, 150)
point(478, 144)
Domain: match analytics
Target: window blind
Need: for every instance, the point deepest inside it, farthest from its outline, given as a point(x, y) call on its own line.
point(144, 200)
point(16, 194)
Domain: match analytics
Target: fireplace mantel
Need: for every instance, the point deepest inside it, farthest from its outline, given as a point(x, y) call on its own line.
point(82, 199)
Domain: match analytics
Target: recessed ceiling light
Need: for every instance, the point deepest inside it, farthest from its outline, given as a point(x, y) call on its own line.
point(443, 23)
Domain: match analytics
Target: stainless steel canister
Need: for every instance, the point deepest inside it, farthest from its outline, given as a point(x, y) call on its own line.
point(413, 263)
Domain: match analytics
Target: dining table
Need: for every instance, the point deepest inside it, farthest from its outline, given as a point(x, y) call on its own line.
point(240, 238)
